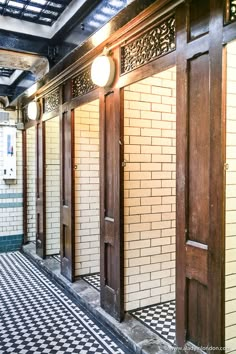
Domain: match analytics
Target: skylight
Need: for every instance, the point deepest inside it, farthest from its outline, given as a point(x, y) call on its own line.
point(38, 11)
point(41, 2)
point(5, 72)
point(15, 4)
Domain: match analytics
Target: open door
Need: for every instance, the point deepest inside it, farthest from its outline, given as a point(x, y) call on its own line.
point(200, 166)
point(67, 183)
point(110, 205)
point(40, 190)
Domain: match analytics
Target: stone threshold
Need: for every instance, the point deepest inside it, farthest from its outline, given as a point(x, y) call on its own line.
point(131, 332)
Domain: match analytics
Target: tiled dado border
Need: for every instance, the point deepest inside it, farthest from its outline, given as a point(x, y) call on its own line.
point(11, 205)
point(11, 195)
point(10, 243)
point(5, 203)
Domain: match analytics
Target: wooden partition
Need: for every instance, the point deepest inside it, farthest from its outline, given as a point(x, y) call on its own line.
point(40, 190)
point(200, 178)
point(67, 186)
point(31, 178)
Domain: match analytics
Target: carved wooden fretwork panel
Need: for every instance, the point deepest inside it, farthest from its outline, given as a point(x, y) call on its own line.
point(82, 83)
point(51, 101)
point(232, 10)
point(149, 46)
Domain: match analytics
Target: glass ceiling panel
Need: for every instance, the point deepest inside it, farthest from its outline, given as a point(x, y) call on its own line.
point(5, 72)
point(38, 11)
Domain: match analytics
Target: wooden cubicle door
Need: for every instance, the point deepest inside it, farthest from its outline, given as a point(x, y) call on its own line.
point(111, 204)
point(67, 204)
point(200, 174)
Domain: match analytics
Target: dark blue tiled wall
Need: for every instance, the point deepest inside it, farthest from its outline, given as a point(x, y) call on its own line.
point(10, 243)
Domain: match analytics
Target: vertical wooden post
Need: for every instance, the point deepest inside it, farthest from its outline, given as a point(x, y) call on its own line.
point(216, 259)
point(40, 190)
point(67, 184)
point(25, 209)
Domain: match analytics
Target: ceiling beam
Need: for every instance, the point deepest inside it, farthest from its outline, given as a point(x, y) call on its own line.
point(23, 42)
point(38, 65)
point(77, 17)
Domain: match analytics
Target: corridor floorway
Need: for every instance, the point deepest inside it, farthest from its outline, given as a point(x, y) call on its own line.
point(37, 317)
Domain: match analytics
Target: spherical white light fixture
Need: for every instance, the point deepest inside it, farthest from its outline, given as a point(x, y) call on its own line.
point(33, 110)
point(103, 71)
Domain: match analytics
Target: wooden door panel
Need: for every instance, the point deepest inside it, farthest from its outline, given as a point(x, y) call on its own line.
point(196, 262)
point(40, 190)
point(198, 174)
point(67, 188)
point(110, 150)
point(199, 148)
point(199, 15)
point(197, 321)
point(110, 206)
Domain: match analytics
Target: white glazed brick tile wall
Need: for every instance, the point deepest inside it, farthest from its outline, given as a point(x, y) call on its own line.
point(87, 231)
point(52, 186)
point(149, 187)
point(11, 219)
point(230, 320)
point(31, 187)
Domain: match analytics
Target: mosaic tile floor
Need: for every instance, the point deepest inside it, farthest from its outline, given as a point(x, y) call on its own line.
point(93, 280)
point(57, 257)
point(159, 318)
point(37, 317)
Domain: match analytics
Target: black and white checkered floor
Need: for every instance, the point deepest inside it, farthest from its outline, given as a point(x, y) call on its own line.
point(37, 317)
point(160, 318)
point(57, 257)
point(93, 280)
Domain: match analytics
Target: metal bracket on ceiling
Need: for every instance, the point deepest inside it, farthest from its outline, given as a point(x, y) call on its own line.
point(53, 52)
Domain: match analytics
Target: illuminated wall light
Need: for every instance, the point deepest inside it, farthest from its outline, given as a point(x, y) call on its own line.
point(103, 71)
point(33, 110)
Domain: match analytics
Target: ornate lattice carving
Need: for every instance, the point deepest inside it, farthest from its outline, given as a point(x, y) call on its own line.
point(51, 101)
point(150, 45)
point(232, 10)
point(82, 83)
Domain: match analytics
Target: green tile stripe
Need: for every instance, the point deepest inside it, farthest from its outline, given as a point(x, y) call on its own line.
point(11, 195)
point(11, 205)
point(11, 243)
point(11, 237)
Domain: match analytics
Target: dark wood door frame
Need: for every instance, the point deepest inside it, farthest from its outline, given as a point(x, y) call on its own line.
point(25, 179)
point(67, 179)
point(40, 190)
point(25, 196)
